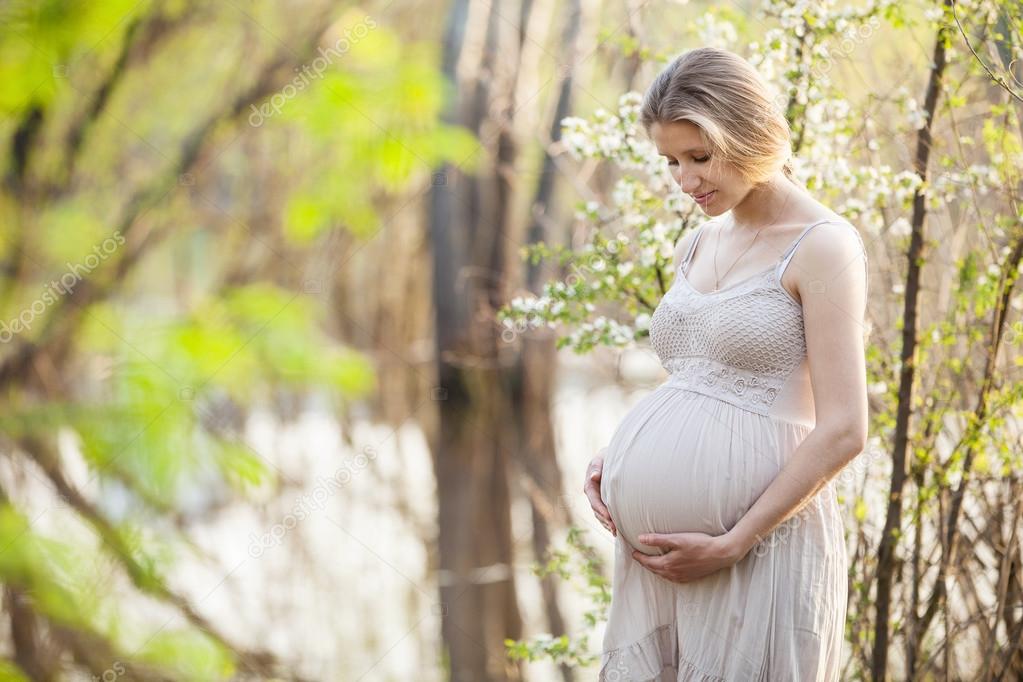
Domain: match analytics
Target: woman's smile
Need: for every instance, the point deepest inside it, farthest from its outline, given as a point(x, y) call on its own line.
point(703, 199)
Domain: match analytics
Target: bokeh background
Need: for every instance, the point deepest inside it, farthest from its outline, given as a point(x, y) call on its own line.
point(313, 313)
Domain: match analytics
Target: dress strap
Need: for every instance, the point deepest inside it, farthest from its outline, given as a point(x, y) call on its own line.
point(789, 252)
point(692, 249)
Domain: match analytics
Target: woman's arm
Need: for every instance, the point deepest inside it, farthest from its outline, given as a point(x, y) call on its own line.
point(830, 277)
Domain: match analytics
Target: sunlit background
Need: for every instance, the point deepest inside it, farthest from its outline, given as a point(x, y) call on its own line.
point(313, 313)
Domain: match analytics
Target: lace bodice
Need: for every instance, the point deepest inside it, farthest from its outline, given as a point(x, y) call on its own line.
point(743, 344)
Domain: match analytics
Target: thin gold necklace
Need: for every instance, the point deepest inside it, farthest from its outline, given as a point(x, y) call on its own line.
point(717, 242)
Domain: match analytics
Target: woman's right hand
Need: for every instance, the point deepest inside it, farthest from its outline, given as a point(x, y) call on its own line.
point(592, 490)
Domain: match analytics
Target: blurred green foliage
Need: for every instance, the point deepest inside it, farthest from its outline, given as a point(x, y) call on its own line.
point(129, 130)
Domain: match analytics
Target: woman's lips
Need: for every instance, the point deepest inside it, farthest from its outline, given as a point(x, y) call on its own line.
point(704, 198)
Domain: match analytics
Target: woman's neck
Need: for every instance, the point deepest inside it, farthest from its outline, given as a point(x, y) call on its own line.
point(762, 206)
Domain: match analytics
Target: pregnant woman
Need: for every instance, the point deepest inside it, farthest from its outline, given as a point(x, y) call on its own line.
point(730, 559)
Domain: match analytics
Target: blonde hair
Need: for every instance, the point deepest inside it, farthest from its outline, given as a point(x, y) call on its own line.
point(723, 95)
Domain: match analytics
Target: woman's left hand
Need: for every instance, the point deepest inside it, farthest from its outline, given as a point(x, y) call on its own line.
point(690, 556)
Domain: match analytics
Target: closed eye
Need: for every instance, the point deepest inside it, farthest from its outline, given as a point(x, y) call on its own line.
point(702, 159)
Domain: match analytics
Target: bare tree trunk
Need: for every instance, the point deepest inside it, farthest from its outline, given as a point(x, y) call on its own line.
point(1012, 664)
point(473, 441)
point(538, 360)
point(887, 560)
point(634, 62)
point(30, 654)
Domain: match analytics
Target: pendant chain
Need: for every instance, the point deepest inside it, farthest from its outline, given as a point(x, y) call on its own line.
point(717, 242)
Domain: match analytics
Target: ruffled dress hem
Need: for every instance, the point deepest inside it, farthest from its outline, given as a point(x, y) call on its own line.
point(653, 658)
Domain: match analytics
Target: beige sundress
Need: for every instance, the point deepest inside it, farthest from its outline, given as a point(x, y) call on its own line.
point(694, 455)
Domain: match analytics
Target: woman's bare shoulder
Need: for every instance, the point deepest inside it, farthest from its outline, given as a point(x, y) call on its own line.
point(682, 246)
point(831, 247)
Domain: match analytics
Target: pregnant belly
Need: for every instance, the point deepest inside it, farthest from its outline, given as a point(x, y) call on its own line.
point(680, 461)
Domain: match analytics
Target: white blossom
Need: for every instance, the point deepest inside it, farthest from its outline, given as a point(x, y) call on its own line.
point(900, 227)
point(715, 32)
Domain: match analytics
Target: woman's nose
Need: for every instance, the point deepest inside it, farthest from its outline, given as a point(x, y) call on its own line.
point(689, 182)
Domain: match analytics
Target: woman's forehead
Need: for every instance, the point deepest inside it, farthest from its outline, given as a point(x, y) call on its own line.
point(679, 136)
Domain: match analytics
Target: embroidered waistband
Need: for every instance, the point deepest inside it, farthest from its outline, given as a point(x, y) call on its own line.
point(743, 388)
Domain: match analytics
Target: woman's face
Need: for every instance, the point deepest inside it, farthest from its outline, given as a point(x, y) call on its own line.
point(716, 187)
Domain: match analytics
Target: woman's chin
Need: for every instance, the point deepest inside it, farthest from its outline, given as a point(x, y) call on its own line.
point(712, 209)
